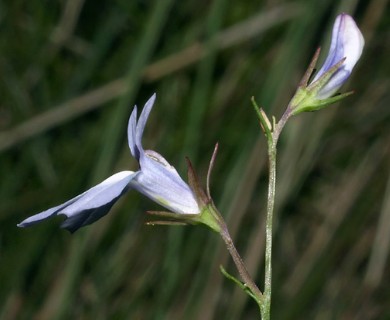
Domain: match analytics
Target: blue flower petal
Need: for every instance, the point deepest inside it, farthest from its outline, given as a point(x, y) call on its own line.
point(142, 121)
point(90, 205)
point(160, 182)
point(157, 179)
point(136, 128)
point(336, 50)
point(131, 133)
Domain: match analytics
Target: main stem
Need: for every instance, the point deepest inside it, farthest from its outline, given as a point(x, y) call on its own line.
point(272, 143)
point(265, 312)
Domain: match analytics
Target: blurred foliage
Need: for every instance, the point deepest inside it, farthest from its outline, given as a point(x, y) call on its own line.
point(70, 73)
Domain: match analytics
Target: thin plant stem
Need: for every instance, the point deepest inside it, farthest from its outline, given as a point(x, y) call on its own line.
point(219, 225)
point(266, 308)
point(242, 270)
point(240, 265)
point(272, 132)
point(272, 151)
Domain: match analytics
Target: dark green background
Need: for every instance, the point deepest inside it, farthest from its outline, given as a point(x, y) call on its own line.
point(70, 73)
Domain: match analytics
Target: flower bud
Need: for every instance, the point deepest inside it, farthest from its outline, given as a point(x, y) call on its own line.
point(347, 42)
point(345, 50)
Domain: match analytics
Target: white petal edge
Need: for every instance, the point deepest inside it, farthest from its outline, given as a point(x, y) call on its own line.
point(353, 42)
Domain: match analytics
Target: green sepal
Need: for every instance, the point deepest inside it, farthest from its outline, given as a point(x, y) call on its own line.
point(165, 223)
point(317, 85)
point(306, 97)
point(209, 214)
point(309, 105)
point(193, 181)
point(171, 218)
point(210, 217)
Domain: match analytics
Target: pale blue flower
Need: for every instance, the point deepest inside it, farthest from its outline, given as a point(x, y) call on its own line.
point(347, 42)
point(156, 179)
